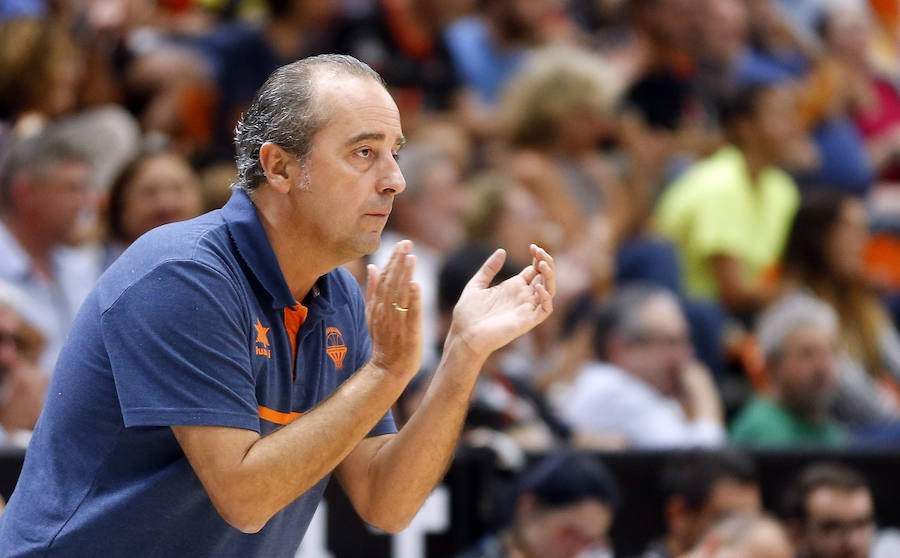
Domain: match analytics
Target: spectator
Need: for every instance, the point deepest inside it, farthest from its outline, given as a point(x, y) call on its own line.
point(648, 386)
point(826, 109)
point(22, 385)
point(40, 70)
point(155, 188)
point(830, 510)
point(562, 506)
point(798, 336)
point(487, 48)
point(403, 42)
point(846, 30)
point(824, 254)
point(554, 114)
point(729, 215)
point(43, 191)
point(727, 59)
point(700, 489)
point(663, 94)
point(745, 536)
point(242, 55)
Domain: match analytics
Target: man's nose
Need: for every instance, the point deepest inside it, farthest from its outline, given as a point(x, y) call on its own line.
point(392, 181)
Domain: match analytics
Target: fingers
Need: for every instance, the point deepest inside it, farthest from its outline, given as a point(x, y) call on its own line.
point(489, 269)
point(390, 275)
point(401, 290)
point(545, 299)
point(371, 284)
point(414, 303)
point(545, 266)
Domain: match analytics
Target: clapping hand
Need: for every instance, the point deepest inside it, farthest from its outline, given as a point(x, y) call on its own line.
point(487, 318)
point(394, 313)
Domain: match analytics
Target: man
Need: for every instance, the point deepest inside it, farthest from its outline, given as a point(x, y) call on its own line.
point(729, 215)
point(223, 367)
point(744, 536)
point(488, 47)
point(831, 515)
point(652, 391)
point(700, 489)
point(563, 506)
point(799, 339)
point(44, 190)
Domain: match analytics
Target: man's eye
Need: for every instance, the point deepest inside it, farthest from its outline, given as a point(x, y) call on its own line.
point(396, 155)
point(365, 152)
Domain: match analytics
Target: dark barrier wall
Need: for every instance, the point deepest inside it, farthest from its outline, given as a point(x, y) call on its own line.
point(468, 500)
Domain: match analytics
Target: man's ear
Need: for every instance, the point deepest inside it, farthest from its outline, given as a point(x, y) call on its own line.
point(280, 166)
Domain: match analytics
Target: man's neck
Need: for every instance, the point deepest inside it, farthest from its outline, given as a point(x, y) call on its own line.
point(756, 164)
point(38, 247)
point(301, 262)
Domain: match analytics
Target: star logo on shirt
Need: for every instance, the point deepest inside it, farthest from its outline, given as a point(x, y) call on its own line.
point(261, 333)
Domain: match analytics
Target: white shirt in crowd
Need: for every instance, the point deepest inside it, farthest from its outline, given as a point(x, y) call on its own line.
point(605, 399)
point(49, 305)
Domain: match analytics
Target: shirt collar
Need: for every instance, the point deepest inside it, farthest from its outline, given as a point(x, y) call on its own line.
point(253, 245)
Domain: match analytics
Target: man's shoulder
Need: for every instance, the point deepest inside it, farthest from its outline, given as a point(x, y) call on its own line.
point(201, 242)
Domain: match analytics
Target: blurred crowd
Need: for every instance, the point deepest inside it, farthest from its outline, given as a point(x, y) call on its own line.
point(717, 180)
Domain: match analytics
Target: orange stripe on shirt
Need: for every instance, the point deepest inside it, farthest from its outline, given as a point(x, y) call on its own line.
point(277, 417)
point(293, 319)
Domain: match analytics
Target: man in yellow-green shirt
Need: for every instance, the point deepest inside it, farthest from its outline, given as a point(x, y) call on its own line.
point(730, 214)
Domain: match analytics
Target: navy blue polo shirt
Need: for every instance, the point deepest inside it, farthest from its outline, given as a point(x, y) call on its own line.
point(193, 325)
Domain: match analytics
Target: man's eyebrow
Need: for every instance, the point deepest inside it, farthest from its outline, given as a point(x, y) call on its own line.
point(374, 136)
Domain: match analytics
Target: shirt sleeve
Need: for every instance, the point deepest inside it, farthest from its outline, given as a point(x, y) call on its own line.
point(179, 352)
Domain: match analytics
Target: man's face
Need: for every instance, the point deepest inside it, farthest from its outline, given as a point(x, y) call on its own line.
point(567, 532)
point(727, 497)
point(839, 523)
point(774, 128)
point(163, 190)
point(54, 199)
point(661, 350)
point(805, 372)
point(351, 170)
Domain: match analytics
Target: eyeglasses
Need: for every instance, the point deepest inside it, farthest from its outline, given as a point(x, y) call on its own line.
point(831, 527)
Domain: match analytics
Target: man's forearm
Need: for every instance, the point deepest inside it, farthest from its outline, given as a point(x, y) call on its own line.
point(406, 469)
point(259, 476)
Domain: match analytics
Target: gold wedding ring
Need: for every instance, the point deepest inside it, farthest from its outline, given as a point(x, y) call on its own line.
point(398, 307)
